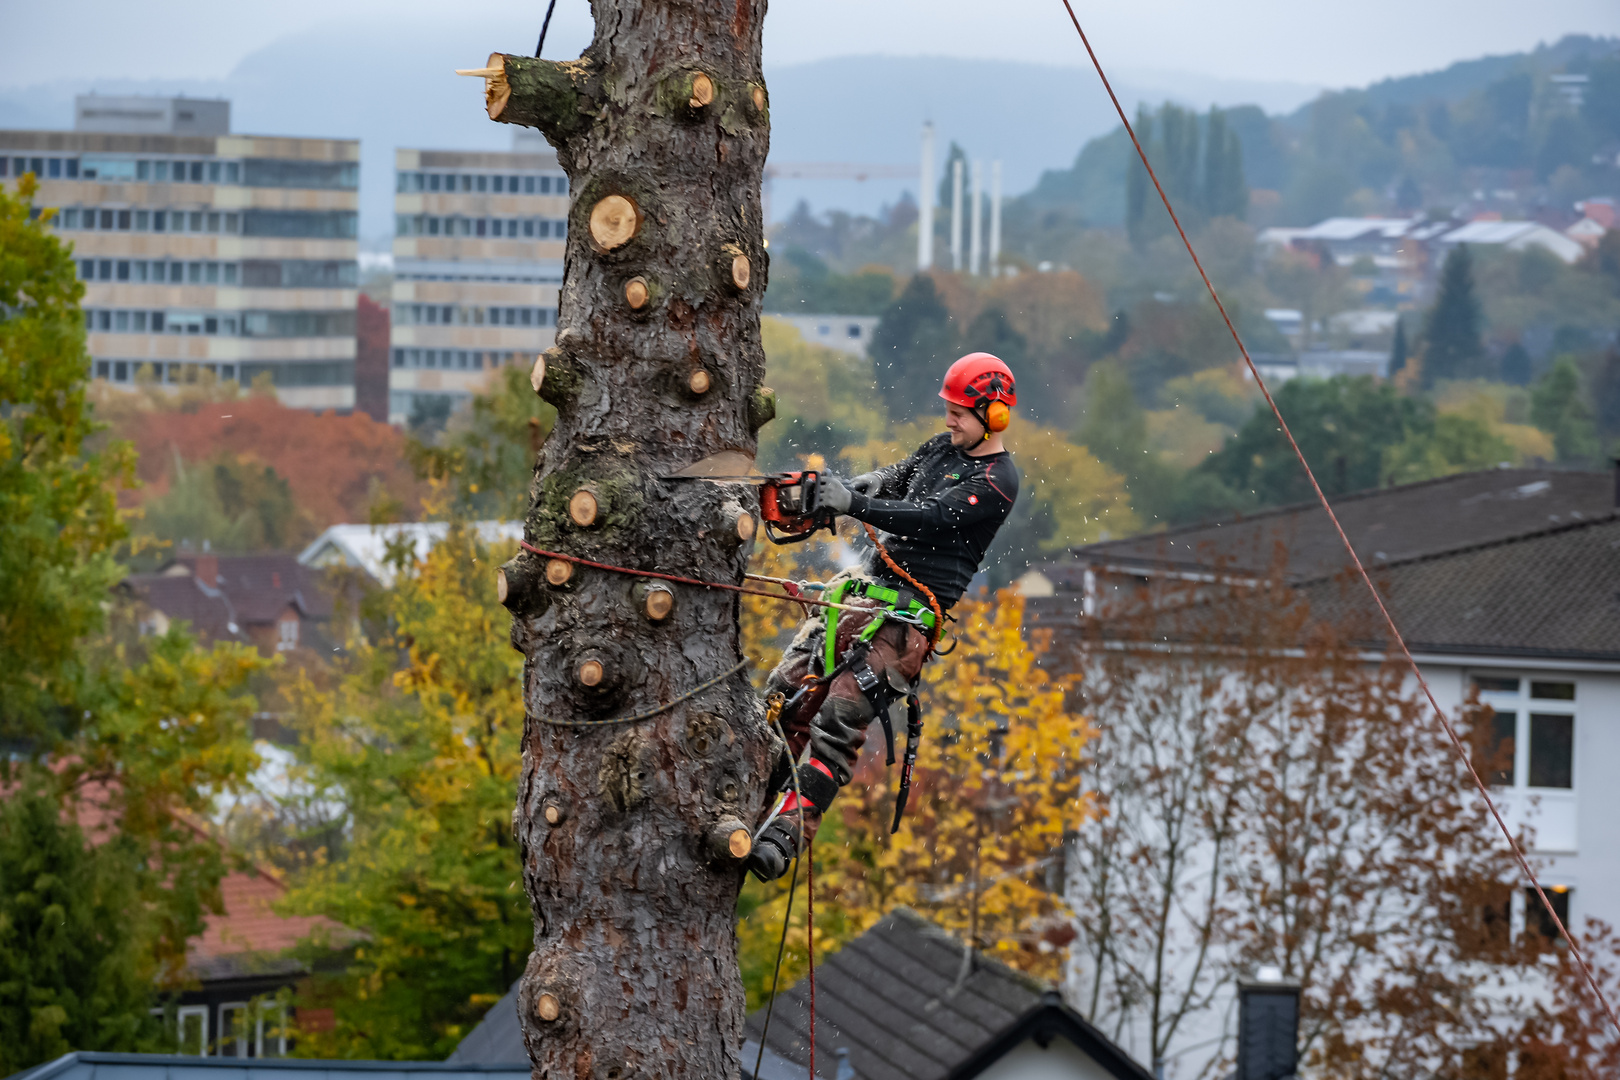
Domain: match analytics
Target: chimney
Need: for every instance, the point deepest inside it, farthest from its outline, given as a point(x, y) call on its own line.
point(207, 570)
point(1268, 1026)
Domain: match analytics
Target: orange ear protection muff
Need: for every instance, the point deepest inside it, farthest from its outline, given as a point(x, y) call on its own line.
point(996, 417)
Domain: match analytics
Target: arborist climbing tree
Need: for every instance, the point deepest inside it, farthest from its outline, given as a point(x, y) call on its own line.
point(645, 748)
point(939, 510)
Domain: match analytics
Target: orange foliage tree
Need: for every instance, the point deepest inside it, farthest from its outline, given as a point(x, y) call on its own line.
point(337, 467)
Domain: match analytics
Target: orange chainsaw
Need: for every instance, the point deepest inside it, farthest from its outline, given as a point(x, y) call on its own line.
point(789, 502)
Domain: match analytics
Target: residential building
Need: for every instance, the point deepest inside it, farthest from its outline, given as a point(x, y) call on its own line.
point(204, 251)
point(365, 547)
point(1503, 583)
point(239, 970)
point(478, 257)
point(270, 601)
point(1515, 236)
point(850, 334)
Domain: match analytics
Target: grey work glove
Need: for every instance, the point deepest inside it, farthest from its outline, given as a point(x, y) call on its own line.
point(867, 483)
point(834, 495)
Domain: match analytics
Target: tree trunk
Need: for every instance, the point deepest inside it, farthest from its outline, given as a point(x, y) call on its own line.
point(629, 832)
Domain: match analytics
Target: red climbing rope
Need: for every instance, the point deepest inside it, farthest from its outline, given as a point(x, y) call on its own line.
point(794, 598)
point(810, 932)
point(1389, 620)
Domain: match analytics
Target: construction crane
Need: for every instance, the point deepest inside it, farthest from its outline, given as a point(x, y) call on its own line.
point(829, 170)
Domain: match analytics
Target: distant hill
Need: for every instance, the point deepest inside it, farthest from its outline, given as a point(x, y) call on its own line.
point(1491, 125)
point(1468, 76)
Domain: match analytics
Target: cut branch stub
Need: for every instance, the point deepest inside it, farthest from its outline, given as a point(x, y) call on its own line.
point(657, 600)
point(636, 293)
point(698, 382)
point(559, 571)
point(730, 839)
point(702, 91)
point(516, 585)
point(547, 1007)
point(735, 267)
point(615, 219)
point(591, 672)
point(757, 95)
point(556, 98)
point(552, 811)
point(537, 373)
point(583, 507)
point(745, 527)
point(761, 407)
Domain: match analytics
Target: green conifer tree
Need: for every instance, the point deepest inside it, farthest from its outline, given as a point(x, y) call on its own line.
point(74, 970)
point(1226, 190)
point(1398, 350)
point(1453, 346)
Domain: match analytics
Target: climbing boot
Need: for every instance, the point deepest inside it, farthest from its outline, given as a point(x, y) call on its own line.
point(781, 840)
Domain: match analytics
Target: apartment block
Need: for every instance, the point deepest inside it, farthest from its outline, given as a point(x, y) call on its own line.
point(201, 250)
point(478, 259)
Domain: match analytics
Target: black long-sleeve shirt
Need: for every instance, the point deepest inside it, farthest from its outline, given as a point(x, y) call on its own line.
point(940, 509)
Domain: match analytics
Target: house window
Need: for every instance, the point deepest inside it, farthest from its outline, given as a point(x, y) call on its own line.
point(1530, 740)
point(192, 1021)
point(1526, 750)
point(252, 1029)
point(288, 638)
point(1538, 924)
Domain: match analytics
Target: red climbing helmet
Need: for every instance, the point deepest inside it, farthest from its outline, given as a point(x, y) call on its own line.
point(978, 379)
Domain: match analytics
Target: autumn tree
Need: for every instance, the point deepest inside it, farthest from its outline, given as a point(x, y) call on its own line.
point(113, 740)
point(627, 831)
point(59, 519)
point(397, 818)
point(1266, 797)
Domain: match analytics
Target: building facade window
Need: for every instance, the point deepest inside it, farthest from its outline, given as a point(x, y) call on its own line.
point(1527, 751)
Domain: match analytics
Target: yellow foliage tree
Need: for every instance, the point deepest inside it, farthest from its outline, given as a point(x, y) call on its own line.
point(408, 765)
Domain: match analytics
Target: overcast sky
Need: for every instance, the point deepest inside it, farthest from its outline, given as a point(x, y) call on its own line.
point(1320, 42)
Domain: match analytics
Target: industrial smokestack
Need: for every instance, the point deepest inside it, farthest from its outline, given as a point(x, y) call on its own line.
point(995, 219)
point(976, 244)
point(1268, 1027)
point(925, 203)
point(956, 215)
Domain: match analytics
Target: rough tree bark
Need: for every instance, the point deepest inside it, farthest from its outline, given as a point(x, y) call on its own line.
point(630, 833)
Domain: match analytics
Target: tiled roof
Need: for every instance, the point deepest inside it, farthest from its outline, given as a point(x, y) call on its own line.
point(247, 590)
point(1386, 525)
point(1552, 594)
point(250, 934)
point(892, 999)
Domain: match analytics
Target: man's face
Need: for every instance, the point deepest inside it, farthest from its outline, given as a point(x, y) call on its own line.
point(966, 431)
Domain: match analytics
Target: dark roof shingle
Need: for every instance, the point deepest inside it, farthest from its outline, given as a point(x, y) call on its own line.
point(1552, 594)
point(892, 999)
point(1386, 525)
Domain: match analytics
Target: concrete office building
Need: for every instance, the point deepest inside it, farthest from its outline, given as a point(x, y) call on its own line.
point(478, 256)
point(201, 250)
